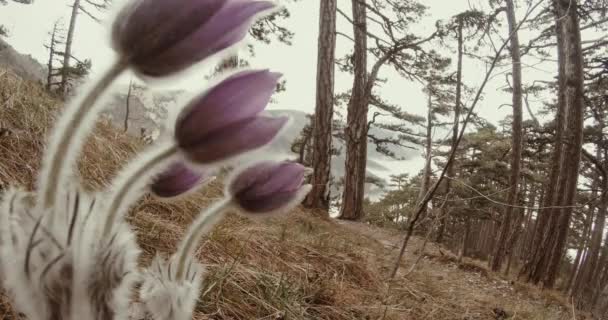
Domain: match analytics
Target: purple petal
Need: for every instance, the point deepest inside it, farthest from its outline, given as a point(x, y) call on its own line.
point(239, 97)
point(285, 177)
point(177, 179)
point(267, 186)
point(267, 203)
point(261, 171)
point(145, 27)
point(224, 29)
point(232, 140)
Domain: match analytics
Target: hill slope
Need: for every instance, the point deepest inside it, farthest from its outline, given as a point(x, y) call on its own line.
point(296, 267)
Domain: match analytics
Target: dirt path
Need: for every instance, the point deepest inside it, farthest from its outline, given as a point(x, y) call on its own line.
point(439, 287)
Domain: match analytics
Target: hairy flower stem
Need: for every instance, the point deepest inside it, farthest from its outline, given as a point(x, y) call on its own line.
point(131, 180)
point(203, 223)
point(69, 136)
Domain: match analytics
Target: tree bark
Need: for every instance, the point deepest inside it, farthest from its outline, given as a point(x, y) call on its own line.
point(463, 252)
point(516, 144)
point(428, 149)
point(585, 287)
point(49, 76)
point(356, 128)
point(318, 198)
point(529, 225)
point(579, 260)
point(535, 264)
point(67, 53)
point(128, 107)
point(572, 84)
point(455, 127)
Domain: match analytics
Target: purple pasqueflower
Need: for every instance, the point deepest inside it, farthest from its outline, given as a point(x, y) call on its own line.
point(269, 187)
point(225, 121)
point(162, 37)
point(176, 180)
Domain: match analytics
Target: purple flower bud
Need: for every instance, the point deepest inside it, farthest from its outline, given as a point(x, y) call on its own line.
point(161, 37)
point(176, 180)
point(226, 120)
point(269, 187)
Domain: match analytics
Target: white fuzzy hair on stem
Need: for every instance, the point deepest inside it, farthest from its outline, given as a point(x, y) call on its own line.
point(69, 135)
point(130, 183)
point(166, 296)
point(65, 271)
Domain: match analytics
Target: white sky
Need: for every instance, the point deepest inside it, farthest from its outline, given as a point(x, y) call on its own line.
point(29, 27)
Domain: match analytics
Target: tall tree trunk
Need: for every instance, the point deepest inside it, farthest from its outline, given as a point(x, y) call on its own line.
point(516, 230)
point(584, 290)
point(579, 259)
point(572, 85)
point(463, 252)
point(356, 128)
point(528, 227)
point(426, 175)
point(545, 223)
point(455, 127)
point(319, 195)
point(601, 273)
point(516, 136)
point(67, 53)
point(128, 107)
point(49, 76)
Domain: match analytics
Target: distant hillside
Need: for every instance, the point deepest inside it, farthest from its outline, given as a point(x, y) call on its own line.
point(23, 65)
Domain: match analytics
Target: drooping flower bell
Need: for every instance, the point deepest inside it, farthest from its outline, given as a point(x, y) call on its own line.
point(225, 121)
point(269, 187)
point(162, 37)
point(177, 180)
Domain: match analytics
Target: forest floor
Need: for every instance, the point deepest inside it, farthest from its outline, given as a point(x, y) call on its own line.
point(295, 267)
point(466, 290)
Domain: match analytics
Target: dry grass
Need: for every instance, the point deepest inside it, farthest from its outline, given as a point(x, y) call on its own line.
point(296, 267)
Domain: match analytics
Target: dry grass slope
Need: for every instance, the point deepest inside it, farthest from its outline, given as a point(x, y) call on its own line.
point(293, 268)
point(296, 267)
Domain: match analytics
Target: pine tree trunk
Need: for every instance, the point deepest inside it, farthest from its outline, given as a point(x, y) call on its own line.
point(516, 230)
point(572, 85)
point(601, 271)
point(49, 76)
point(455, 127)
point(318, 198)
point(545, 223)
point(516, 143)
point(67, 53)
point(356, 126)
point(128, 107)
point(586, 282)
point(529, 227)
point(580, 254)
point(465, 237)
point(426, 176)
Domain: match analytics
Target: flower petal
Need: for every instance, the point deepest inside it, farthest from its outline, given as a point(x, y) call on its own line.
point(288, 176)
point(227, 27)
point(239, 97)
point(232, 140)
point(138, 33)
point(176, 180)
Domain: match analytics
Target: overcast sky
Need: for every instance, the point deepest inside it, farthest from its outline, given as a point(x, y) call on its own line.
point(29, 27)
